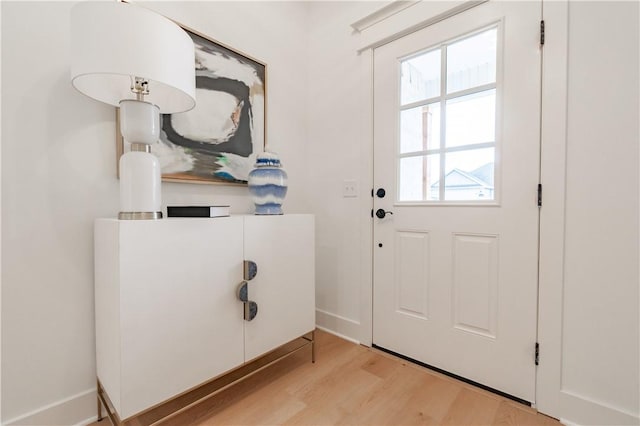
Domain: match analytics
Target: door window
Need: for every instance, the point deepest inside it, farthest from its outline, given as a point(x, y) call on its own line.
point(447, 115)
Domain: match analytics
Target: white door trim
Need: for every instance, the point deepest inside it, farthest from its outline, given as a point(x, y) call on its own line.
point(383, 13)
point(400, 18)
point(366, 201)
point(552, 217)
point(424, 24)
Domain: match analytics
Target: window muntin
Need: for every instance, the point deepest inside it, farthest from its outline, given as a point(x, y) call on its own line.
point(447, 144)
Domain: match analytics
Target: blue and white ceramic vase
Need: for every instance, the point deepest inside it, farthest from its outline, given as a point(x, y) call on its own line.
point(268, 184)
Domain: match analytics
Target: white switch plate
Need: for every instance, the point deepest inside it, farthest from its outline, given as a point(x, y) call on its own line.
point(350, 188)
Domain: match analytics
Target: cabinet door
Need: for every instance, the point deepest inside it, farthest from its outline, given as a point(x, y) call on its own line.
point(181, 321)
point(284, 287)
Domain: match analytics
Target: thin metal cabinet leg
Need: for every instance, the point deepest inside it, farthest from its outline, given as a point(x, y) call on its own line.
point(313, 346)
point(99, 402)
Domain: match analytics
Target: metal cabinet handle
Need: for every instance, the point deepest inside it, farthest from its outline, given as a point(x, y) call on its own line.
point(250, 310)
point(243, 291)
point(250, 270)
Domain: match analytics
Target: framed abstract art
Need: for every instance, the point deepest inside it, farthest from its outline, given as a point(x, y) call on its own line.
point(217, 141)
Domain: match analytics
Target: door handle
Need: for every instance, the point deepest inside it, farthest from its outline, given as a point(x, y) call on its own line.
point(381, 213)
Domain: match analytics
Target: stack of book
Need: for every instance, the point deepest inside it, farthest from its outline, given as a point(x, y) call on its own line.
point(197, 211)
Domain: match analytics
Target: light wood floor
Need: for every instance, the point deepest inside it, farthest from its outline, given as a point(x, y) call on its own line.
point(354, 385)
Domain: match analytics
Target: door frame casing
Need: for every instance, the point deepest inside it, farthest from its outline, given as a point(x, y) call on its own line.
point(366, 203)
point(552, 215)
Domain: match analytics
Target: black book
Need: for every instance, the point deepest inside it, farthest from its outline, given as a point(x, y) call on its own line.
point(197, 211)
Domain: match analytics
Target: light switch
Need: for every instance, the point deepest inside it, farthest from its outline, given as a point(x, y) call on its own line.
point(350, 188)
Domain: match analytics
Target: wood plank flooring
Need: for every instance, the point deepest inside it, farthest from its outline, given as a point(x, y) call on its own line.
point(353, 385)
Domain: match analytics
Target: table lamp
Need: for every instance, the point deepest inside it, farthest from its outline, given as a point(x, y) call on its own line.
point(142, 62)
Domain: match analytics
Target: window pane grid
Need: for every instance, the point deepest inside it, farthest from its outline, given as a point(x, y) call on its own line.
point(449, 96)
point(472, 91)
point(443, 122)
point(491, 144)
point(420, 85)
point(473, 60)
point(471, 119)
point(464, 155)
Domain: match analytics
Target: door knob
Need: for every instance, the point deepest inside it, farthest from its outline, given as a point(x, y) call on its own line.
point(380, 193)
point(381, 213)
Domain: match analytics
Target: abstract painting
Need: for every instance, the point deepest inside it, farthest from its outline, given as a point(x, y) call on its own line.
point(217, 141)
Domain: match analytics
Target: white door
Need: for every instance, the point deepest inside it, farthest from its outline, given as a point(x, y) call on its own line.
point(456, 149)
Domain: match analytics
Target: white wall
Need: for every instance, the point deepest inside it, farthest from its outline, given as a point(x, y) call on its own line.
point(589, 314)
point(339, 150)
point(58, 174)
point(601, 251)
point(0, 225)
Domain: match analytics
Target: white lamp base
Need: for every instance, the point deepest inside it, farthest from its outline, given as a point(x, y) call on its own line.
point(140, 196)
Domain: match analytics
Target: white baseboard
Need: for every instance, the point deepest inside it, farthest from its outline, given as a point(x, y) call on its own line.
point(577, 409)
point(340, 326)
point(78, 410)
point(93, 419)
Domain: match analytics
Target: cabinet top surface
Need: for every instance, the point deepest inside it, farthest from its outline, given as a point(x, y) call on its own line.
point(190, 219)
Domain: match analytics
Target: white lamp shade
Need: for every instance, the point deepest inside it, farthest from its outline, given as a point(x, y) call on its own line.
point(113, 42)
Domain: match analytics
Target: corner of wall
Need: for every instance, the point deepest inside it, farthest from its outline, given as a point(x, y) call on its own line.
point(0, 223)
point(342, 327)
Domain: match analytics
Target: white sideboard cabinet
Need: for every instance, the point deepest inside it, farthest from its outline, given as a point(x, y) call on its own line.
point(168, 316)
